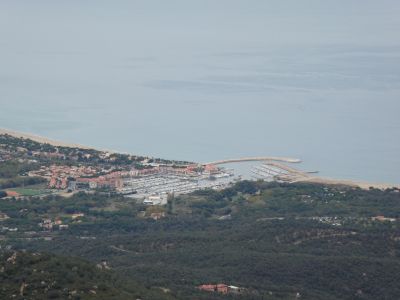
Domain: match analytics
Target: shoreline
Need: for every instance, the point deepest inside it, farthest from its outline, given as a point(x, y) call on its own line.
point(348, 182)
point(312, 179)
point(41, 139)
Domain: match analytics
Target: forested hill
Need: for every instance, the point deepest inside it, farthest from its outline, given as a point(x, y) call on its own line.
point(273, 241)
point(26, 275)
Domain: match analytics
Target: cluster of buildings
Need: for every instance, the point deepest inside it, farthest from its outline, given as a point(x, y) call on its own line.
point(80, 177)
point(59, 176)
point(112, 180)
point(157, 215)
point(383, 219)
point(58, 183)
point(80, 169)
point(66, 171)
point(54, 155)
point(4, 156)
point(10, 229)
point(156, 200)
point(3, 216)
point(221, 288)
point(188, 170)
point(334, 221)
point(49, 224)
point(64, 177)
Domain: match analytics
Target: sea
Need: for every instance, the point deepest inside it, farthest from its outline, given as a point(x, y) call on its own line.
point(207, 80)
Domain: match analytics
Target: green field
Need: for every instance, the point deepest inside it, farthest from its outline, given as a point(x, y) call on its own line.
point(30, 191)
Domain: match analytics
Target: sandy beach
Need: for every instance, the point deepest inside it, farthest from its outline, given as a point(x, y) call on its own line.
point(41, 139)
point(352, 183)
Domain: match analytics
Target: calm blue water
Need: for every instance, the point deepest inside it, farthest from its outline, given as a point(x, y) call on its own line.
point(207, 80)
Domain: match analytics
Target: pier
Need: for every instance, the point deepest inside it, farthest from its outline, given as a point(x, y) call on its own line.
point(256, 158)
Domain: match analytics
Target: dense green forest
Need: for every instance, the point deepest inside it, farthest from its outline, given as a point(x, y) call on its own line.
point(26, 275)
point(276, 241)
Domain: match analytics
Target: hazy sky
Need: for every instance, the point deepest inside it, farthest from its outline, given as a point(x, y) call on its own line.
point(201, 80)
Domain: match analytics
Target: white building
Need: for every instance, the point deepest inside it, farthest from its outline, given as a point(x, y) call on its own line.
point(155, 200)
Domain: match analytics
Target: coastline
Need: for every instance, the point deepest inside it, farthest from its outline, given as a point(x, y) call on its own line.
point(312, 179)
point(41, 139)
point(352, 183)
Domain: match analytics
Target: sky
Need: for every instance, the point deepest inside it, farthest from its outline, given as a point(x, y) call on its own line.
point(206, 80)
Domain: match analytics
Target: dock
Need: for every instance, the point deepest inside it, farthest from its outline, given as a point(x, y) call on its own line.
point(273, 171)
point(256, 158)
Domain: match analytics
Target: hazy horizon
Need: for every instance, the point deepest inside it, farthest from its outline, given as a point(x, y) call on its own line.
point(206, 80)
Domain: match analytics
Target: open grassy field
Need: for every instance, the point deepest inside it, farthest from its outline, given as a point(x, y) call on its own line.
point(27, 191)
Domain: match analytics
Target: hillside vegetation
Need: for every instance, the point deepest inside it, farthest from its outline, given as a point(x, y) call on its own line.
point(26, 275)
point(275, 241)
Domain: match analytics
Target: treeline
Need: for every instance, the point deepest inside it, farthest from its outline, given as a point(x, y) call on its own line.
point(12, 169)
point(12, 174)
point(21, 181)
point(76, 154)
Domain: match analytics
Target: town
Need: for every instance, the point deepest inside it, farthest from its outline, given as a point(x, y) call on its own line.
point(65, 171)
point(127, 213)
point(154, 179)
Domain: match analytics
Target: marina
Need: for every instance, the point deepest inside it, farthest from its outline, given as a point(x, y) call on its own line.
point(162, 185)
point(273, 171)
